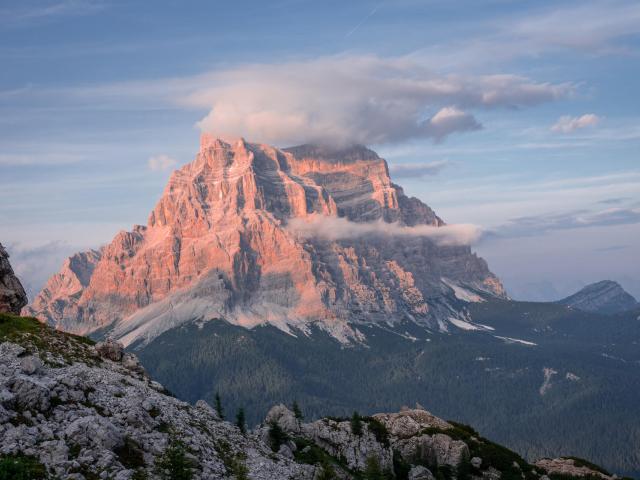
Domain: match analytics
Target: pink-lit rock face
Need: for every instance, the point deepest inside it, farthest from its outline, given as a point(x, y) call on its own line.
point(217, 246)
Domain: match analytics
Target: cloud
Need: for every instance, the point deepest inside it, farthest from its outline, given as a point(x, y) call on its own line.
point(449, 120)
point(29, 12)
point(568, 124)
point(161, 163)
point(339, 228)
point(417, 170)
point(539, 224)
point(355, 99)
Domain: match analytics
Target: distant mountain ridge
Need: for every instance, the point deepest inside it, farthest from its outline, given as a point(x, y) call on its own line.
point(221, 243)
point(606, 297)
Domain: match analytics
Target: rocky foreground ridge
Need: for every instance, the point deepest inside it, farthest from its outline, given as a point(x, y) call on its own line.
point(254, 234)
point(72, 409)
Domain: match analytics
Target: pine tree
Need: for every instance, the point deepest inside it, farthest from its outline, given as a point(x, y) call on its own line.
point(218, 406)
point(356, 424)
point(241, 421)
point(296, 411)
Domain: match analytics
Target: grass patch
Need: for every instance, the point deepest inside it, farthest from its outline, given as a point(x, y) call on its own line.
point(35, 336)
point(21, 467)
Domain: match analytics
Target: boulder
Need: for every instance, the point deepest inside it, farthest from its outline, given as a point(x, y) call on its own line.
point(30, 364)
point(94, 431)
point(420, 473)
point(284, 417)
point(438, 450)
point(110, 349)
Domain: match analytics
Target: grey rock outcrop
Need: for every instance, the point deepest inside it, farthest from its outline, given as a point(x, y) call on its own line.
point(88, 411)
point(606, 297)
point(570, 467)
point(12, 295)
point(84, 416)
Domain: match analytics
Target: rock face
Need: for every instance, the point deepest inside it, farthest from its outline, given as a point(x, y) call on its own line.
point(606, 297)
point(88, 411)
point(224, 242)
point(12, 295)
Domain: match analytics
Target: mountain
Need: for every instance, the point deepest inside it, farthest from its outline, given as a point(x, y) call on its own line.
point(72, 409)
point(257, 235)
point(12, 295)
point(602, 297)
point(305, 274)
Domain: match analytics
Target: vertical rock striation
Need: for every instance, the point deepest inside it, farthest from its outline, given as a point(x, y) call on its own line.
point(219, 244)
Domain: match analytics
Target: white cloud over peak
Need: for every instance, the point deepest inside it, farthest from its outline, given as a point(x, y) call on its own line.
point(338, 228)
point(160, 163)
point(355, 99)
point(568, 124)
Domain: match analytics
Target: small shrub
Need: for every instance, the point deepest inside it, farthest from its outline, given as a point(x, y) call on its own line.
point(327, 471)
point(21, 467)
point(372, 470)
point(174, 463)
point(130, 454)
point(379, 430)
point(401, 467)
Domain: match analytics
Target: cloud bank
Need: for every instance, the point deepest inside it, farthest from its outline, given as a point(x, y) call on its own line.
point(539, 224)
point(355, 99)
point(339, 228)
point(568, 124)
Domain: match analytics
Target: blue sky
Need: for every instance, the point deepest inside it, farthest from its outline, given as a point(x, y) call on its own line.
point(521, 117)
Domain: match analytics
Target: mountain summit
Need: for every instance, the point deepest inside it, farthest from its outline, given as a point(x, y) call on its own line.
point(606, 297)
point(253, 234)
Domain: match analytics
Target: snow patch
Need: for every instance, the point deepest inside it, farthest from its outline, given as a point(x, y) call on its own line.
point(516, 340)
point(465, 325)
point(462, 293)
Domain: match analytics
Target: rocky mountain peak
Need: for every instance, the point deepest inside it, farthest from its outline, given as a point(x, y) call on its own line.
point(606, 296)
point(220, 244)
point(12, 295)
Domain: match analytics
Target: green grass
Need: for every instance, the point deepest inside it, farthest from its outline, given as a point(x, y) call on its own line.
point(21, 467)
point(35, 336)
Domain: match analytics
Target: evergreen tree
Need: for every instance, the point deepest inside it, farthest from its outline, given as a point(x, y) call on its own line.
point(296, 411)
point(327, 472)
point(174, 463)
point(356, 424)
point(372, 470)
point(241, 421)
point(277, 436)
point(218, 406)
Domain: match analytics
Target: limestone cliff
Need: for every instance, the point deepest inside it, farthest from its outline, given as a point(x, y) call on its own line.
point(220, 243)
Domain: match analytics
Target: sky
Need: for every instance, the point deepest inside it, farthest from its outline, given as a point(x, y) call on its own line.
point(522, 118)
